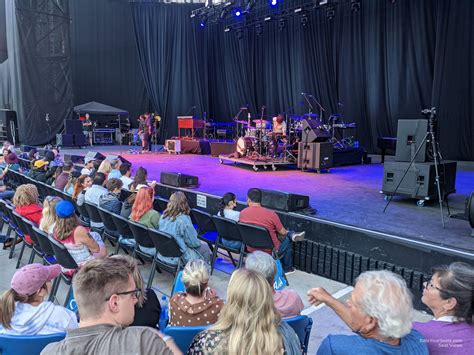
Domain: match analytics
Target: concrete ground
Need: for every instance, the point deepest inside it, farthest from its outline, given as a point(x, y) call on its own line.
point(325, 320)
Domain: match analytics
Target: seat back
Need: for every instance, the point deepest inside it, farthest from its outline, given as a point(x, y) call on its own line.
point(62, 255)
point(302, 326)
point(27, 227)
point(183, 336)
point(93, 212)
point(203, 220)
point(140, 233)
point(227, 228)
point(160, 203)
point(255, 236)
point(18, 221)
point(164, 243)
point(43, 241)
point(29, 344)
point(121, 223)
point(82, 210)
point(106, 218)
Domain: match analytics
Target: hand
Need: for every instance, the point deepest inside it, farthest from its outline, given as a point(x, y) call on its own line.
point(318, 295)
point(209, 293)
point(152, 184)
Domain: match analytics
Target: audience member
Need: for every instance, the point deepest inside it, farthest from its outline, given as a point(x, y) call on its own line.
point(83, 183)
point(199, 305)
point(97, 189)
point(226, 209)
point(71, 182)
point(61, 180)
point(282, 238)
point(5, 192)
point(88, 166)
point(248, 322)
point(106, 295)
point(287, 302)
point(110, 201)
point(12, 162)
point(115, 172)
point(27, 205)
point(105, 168)
point(23, 310)
point(39, 172)
point(177, 222)
point(140, 179)
point(81, 244)
point(148, 307)
point(449, 296)
point(126, 171)
point(56, 171)
point(379, 311)
point(49, 217)
point(143, 212)
point(128, 205)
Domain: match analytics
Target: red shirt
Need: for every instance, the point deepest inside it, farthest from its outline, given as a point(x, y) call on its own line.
point(265, 218)
point(32, 213)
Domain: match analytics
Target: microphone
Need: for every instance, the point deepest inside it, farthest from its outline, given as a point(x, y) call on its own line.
point(46, 118)
point(244, 108)
point(303, 93)
point(339, 104)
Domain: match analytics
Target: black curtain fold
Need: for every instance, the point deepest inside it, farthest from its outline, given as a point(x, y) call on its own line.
point(382, 63)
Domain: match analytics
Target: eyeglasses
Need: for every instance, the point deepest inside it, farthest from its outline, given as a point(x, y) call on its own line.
point(136, 293)
point(427, 285)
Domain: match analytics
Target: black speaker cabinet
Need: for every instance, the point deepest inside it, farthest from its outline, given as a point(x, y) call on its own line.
point(119, 157)
point(76, 159)
point(67, 140)
point(283, 201)
point(95, 155)
point(419, 183)
point(315, 156)
point(410, 134)
point(72, 127)
point(314, 131)
point(80, 140)
point(178, 179)
point(9, 127)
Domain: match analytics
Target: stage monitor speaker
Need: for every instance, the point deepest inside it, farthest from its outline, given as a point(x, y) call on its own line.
point(284, 201)
point(119, 157)
point(314, 131)
point(26, 148)
point(72, 127)
point(76, 159)
point(420, 180)
point(67, 140)
point(410, 134)
point(80, 140)
point(95, 155)
point(315, 156)
point(9, 127)
point(178, 179)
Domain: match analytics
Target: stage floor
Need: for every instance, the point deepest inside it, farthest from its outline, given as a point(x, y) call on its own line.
point(348, 195)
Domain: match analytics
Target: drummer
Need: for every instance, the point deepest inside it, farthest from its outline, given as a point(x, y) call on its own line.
point(279, 125)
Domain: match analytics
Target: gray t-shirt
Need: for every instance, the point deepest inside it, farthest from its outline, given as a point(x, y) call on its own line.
point(109, 339)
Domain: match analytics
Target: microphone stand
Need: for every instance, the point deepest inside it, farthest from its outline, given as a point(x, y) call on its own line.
point(311, 108)
point(239, 129)
point(321, 109)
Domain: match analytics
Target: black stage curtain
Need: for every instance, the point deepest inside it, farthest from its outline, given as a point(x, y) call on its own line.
point(105, 61)
point(385, 62)
point(173, 61)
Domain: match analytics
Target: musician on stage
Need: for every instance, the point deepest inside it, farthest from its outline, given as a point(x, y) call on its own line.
point(278, 131)
point(87, 128)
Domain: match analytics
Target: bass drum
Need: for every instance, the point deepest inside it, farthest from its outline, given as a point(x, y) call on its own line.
point(245, 145)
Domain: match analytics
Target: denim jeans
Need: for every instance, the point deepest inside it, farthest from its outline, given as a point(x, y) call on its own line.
point(6, 195)
point(235, 244)
point(285, 252)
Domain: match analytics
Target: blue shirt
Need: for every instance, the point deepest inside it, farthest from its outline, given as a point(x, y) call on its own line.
point(114, 174)
point(411, 344)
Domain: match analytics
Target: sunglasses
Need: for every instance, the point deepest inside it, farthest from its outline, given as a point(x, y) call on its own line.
point(136, 293)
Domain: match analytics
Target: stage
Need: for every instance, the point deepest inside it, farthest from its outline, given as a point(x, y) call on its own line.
point(348, 195)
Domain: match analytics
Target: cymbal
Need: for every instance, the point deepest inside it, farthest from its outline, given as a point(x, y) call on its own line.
point(311, 114)
point(295, 117)
point(242, 122)
point(260, 121)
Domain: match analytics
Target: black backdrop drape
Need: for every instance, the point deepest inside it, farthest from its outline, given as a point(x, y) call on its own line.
point(385, 62)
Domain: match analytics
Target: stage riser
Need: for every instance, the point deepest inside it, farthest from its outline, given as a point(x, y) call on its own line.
point(341, 253)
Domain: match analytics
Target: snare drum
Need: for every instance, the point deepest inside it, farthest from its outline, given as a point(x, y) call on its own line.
point(245, 145)
point(251, 132)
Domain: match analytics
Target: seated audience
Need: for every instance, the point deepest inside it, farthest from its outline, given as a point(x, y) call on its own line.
point(106, 295)
point(282, 238)
point(23, 309)
point(110, 201)
point(39, 172)
point(97, 189)
point(126, 171)
point(128, 205)
point(61, 180)
point(71, 182)
point(199, 305)
point(115, 172)
point(12, 162)
point(226, 209)
point(449, 296)
point(139, 180)
point(27, 205)
point(379, 311)
point(83, 183)
point(177, 222)
point(148, 307)
point(248, 322)
point(88, 166)
point(48, 219)
point(105, 168)
point(81, 244)
point(56, 171)
point(143, 212)
point(5, 192)
point(287, 302)
point(52, 155)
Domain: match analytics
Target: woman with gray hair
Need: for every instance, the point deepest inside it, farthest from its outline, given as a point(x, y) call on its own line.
point(380, 311)
point(287, 302)
point(449, 296)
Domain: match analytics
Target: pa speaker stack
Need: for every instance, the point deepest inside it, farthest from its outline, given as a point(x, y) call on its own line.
point(419, 182)
point(73, 135)
point(314, 153)
point(178, 179)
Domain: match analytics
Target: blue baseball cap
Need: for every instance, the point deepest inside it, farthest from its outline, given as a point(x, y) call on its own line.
point(64, 209)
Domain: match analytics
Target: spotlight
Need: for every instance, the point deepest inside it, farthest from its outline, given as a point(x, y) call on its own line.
point(355, 5)
point(299, 9)
point(273, 2)
point(330, 13)
point(203, 21)
point(228, 29)
point(281, 24)
point(250, 5)
point(237, 12)
point(268, 18)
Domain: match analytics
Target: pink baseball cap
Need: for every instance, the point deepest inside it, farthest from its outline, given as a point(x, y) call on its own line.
point(32, 277)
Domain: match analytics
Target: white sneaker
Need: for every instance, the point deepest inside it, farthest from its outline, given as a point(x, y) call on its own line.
point(298, 237)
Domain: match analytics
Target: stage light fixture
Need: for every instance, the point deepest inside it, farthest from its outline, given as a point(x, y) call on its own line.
point(355, 5)
point(330, 13)
point(237, 12)
point(227, 29)
point(250, 5)
point(304, 19)
point(299, 9)
point(268, 18)
point(323, 2)
point(203, 21)
point(281, 24)
point(273, 2)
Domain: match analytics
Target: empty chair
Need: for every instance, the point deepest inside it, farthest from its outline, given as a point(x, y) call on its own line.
point(27, 344)
point(167, 246)
point(83, 214)
point(206, 228)
point(110, 229)
point(183, 336)
point(21, 231)
point(142, 239)
point(302, 326)
point(229, 230)
point(160, 203)
point(123, 228)
point(45, 245)
point(96, 221)
point(13, 225)
point(27, 227)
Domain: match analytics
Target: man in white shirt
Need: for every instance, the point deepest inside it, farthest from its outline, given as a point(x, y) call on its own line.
point(126, 171)
point(88, 166)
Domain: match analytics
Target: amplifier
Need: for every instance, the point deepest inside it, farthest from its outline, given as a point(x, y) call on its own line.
point(315, 156)
point(178, 179)
point(173, 146)
point(284, 201)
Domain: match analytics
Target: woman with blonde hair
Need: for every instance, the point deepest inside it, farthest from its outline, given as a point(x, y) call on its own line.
point(177, 222)
point(248, 323)
point(48, 220)
point(105, 167)
point(147, 308)
point(199, 305)
point(27, 205)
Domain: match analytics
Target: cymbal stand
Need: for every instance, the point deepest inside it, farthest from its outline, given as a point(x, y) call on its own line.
point(239, 131)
